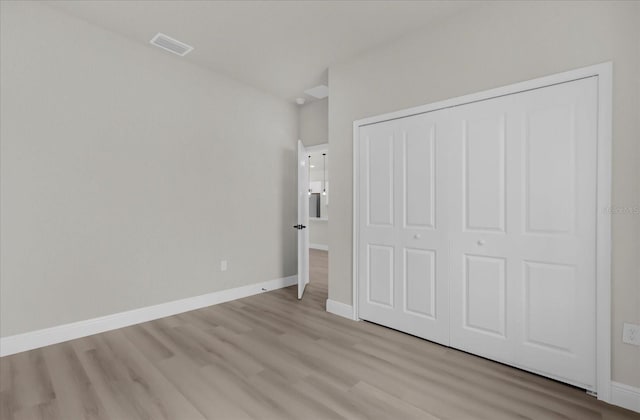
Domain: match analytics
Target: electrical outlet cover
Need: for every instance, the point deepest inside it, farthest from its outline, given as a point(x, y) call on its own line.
point(631, 334)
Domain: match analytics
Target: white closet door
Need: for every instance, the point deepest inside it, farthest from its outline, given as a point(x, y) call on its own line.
point(480, 172)
point(523, 229)
point(402, 232)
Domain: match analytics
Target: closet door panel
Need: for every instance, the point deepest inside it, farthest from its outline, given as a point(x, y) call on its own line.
point(557, 238)
point(542, 191)
point(422, 231)
point(404, 283)
point(377, 261)
point(481, 251)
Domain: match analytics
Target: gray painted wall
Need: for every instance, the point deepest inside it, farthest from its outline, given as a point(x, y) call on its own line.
point(314, 122)
point(314, 130)
point(318, 232)
point(127, 174)
point(490, 46)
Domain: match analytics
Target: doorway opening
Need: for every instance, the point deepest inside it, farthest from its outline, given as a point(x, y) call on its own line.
point(313, 215)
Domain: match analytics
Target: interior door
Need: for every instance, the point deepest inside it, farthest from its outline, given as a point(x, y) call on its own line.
point(402, 232)
point(522, 229)
point(303, 219)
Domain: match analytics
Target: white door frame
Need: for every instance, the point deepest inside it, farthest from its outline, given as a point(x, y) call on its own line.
point(604, 72)
point(324, 147)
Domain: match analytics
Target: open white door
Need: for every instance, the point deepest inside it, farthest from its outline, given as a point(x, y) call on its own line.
point(303, 219)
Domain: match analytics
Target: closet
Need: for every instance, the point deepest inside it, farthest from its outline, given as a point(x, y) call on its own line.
point(476, 227)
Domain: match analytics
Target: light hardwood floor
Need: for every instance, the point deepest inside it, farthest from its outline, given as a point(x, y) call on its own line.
point(272, 356)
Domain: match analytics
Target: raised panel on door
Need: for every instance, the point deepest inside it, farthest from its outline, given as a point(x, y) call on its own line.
point(419, 175)
point(484, 295)
point(419, 282)
point(379, 146)
point(549, 305)
point(550, 169)
point(379, 275)
point(484, 165)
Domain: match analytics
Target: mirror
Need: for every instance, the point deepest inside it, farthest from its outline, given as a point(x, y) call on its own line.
point(314, 205)
point(318, 183)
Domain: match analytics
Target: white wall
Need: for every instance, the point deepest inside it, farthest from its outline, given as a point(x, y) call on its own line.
point(314, 130)
point(494, 45)
point(127, 174)
point(319, 233)
point(314, 122)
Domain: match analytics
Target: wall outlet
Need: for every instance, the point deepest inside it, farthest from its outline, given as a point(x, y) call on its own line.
point(223, 265)
point(631, 334)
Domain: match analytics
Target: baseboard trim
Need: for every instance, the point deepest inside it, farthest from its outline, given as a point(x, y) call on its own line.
point(340, 309)
point(625, 396)
point(319, 246)
point(58, 334)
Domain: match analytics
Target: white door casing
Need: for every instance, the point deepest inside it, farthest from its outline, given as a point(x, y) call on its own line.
point(524, 258)
point(303, 219)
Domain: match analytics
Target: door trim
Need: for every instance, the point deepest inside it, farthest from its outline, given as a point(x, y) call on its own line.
point(604, 72)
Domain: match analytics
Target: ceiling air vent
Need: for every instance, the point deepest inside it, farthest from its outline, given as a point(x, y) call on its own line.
point(318, 92)
point(172, 45)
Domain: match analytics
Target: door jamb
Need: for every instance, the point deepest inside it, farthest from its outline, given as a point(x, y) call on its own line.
point(324, 147)
point(604, 72)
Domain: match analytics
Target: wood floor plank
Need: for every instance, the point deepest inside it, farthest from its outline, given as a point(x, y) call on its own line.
point(44, 411)
point(31, 382)
point(110, 383)
point(239, 389)
point(157, 391)
point(7, 405)
point(335, 398)
point(383, 405)
point(188, 378)
point(299, 405)
point(7, 374)
point(238, 362)
point(75, 394)
point(272, 356)
point(147, 342)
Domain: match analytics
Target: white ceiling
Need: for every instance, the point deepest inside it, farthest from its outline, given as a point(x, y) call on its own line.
point(283, 47)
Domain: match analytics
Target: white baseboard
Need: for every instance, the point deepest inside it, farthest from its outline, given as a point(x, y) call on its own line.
point(625, 396)
point(340, 309)
point(40, 338)
point(319, 246)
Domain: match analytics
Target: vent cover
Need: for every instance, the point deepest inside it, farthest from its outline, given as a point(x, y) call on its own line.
point(318, 92)
point(172, 45)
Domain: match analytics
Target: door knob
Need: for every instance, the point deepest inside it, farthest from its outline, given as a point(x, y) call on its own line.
point(481, 242)
point(417, 236)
